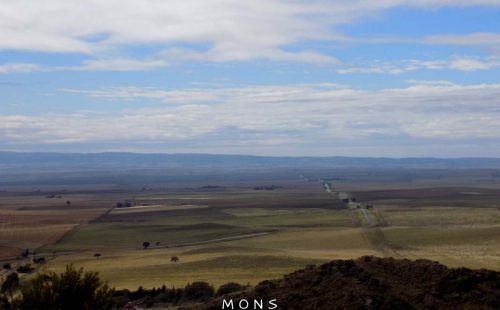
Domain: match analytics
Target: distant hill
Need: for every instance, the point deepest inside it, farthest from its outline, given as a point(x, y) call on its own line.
point(376, 283)
point(13, 160)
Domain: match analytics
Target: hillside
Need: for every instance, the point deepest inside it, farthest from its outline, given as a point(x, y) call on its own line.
point(377, 283)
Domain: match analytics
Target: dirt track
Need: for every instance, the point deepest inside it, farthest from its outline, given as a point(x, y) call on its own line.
point(371, 224)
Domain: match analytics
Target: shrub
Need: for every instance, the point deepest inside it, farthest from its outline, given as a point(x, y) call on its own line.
point(72, 289)
point(198, 291)
point(25, 269)
point(230, 287)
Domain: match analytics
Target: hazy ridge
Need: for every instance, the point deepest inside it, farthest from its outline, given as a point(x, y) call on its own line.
point(13, 160)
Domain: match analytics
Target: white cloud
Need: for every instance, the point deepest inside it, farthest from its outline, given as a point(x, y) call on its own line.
point(373, 67)
point(222, 55)
point(222, 30)
point(19, 68)
point(171, 96)
point(233, 30)
point(396, 68)
point(263, 115)
point(465, 39)
point(474, 64)
point(119, 64)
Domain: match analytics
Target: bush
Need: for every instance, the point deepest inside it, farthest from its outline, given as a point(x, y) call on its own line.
point(25, 269)
point(10, 284)
point(198, 291)
point(25, 253)
point(120, 298)
point(230, 287)
point(72, 290)
point(163, 297)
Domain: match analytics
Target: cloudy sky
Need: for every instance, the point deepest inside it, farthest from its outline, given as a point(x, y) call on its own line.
point(393, 78)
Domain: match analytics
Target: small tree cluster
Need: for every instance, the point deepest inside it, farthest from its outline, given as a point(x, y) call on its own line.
point(72, 289)
point(126, 204)
point(199, 291)
point(194, 292)
point(75, 290)
point(228, 288)
point(25, 269)
point(25, 253)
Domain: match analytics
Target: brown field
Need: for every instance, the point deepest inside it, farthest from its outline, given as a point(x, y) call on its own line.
point(32, 220)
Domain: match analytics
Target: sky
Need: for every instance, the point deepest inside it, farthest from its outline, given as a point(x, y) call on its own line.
point(386, 78)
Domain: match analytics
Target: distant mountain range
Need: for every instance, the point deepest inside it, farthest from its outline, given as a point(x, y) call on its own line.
point(15, 160)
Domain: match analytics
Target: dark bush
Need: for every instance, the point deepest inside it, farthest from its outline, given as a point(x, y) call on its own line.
point(25, 269)
point(71, 290)
point(138, 294)
point(163, 297)
point(230, 287)
point(10, 284)
point(148, 301)
point(198, 291)
point(25, 253)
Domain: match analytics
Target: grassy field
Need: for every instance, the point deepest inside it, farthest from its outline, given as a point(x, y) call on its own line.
point(231, 232)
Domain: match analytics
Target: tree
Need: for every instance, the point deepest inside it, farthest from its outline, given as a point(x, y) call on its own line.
point(68, 202)
point(146, 244)
point(7, 266)
point(25, 253)
point(73, 289)
point(97, 255)
point(174, 259)
point(39, 260)
point(198, 291)
point(230, 287)
point(25, 269)
point(10, 284)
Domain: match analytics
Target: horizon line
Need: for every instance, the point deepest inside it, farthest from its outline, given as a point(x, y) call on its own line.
point(244, 155)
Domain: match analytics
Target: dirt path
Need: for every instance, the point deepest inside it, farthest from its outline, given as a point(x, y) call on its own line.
point(368, 218)
point(369, 222)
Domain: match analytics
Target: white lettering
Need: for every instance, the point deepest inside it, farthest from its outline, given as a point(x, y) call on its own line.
point(272, 304)
point(227, 304)
point(245, 302)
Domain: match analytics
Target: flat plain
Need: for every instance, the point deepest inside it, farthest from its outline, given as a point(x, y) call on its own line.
point(249, 226)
